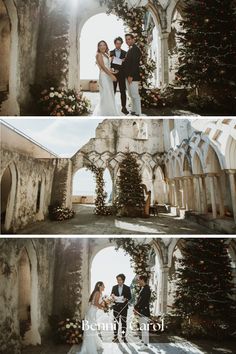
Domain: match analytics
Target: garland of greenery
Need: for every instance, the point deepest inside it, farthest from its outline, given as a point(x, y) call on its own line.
point(134, 21)
point(100, 201)
point(139, 258)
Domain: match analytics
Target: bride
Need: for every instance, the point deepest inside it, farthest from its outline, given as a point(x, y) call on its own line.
point(91, 341)
point(106, 105)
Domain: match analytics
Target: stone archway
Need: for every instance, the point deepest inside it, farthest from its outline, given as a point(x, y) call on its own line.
point(28, 314)
point(9, 181)
point(10, 106)
point(5, 35)
point(159, 187)
point(161, 15)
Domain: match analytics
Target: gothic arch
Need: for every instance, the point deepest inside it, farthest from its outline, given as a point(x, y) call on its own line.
point(41, 197)
point(159, 186)
point(230, 153)
point(197, 164)
point(212, 162)
point(12, 177)
point(10, 106)
point(28, 260)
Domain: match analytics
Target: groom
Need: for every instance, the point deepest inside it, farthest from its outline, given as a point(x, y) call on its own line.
point(132, 74)
point(142, 309)
point(120, 54)
point(122, 295)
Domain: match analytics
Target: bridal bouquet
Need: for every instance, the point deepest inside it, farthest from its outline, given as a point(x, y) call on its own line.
point(108, 302)
point(62, 102)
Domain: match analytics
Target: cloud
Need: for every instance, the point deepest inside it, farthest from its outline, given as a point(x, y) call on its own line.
point(62, 136)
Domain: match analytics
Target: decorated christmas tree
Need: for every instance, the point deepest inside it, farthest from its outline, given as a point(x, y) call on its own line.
point(208, 49)
point(204, 288)
point(130, 196)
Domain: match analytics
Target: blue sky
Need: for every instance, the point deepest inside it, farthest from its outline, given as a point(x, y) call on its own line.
point(64, 137)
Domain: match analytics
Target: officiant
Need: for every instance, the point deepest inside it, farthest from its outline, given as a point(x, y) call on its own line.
point(118, 56)
point(122, 295)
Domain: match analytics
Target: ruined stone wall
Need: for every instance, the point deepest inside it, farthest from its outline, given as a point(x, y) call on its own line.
point(41, 256)
point(68, 278)
point(53, 43)
point(138, 135)
point(28, 31)
point(62, 183)
point(29, 171)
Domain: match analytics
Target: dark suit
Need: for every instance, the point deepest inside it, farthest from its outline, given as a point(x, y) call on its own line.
point(120, 77)
point(120, 309)
point(142, 305)
point(132, 63)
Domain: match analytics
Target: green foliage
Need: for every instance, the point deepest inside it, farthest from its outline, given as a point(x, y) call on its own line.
point(130, 196)
point(208, 48)
point(56, 101)
point(134, 19)
point(59, 213)
point(100, 201)
point(139, 257)
point(204, 287)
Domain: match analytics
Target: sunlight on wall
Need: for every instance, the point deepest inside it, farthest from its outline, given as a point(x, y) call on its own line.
point(98, 27)
point(114, 261)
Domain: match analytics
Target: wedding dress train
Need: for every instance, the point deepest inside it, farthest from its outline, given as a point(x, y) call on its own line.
point(92, 343)
point(107, 105)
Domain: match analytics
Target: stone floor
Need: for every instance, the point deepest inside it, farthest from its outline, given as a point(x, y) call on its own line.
point(163, 345)
point(160, 343)
point(86, 223)
point(94, 98)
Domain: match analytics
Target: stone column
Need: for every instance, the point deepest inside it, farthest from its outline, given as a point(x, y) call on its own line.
point(175, 186)
point(185, 183)
point(164, 58)
point(203, 193)
point(164, 288)
point(213, 191)
point(197, 194)
point(191, 192)
point(182, 203)
point(177, 192)
point(168, 190)
point(220, 194)
point(231, 174)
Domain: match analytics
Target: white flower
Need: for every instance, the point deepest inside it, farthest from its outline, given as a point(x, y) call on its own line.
point(51, 88)
point(51, 94)
point(60, 95)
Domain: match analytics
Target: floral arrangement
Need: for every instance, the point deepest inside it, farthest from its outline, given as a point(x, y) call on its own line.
point(108, 303)
point(62, 102)
point(152, 98)
point(139, 254)
point(58, 213)
point(134, 19)
point(100, 201)
point(70, 331)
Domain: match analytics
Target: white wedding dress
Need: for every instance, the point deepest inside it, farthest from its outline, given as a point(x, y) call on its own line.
point(107, 105)
point(92, 343)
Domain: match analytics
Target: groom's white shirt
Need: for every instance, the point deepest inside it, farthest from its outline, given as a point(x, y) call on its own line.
point(118, 53)
point(120, 289)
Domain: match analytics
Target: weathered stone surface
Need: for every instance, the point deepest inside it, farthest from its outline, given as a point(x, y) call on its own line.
point(60, 282)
